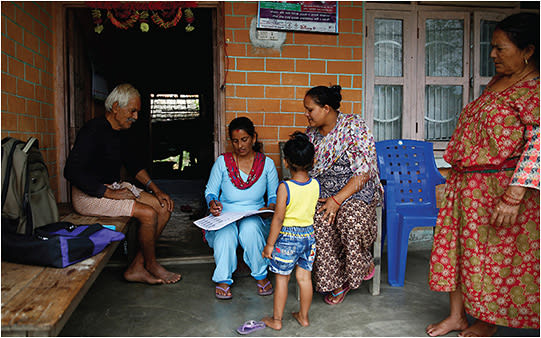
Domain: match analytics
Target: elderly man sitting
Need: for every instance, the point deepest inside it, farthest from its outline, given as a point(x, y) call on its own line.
point(93, 168)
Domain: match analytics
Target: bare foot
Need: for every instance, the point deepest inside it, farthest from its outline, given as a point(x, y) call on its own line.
point(479, 329)
point(303, 321)
point(275, 324)
point(220, 287)
point(140, 275)
point(167, 276)
point(447, 325)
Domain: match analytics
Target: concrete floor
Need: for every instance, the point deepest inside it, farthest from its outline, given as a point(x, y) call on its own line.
point(113, 307)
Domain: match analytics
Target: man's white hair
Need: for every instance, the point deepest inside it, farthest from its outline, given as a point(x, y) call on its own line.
point(121, 94)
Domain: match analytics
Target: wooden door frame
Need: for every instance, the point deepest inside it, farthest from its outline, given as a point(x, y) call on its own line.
point(61, 90)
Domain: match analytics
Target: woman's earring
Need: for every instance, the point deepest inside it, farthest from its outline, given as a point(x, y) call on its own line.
point(526, 61)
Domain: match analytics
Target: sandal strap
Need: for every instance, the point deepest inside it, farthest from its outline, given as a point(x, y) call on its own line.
point(264, 286)
point(339, 293)
point(224, 290)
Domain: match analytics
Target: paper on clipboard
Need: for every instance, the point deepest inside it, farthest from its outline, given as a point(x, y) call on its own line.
point(217, 222)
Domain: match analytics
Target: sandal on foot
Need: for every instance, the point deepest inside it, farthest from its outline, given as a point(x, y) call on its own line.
point(250, 326)
point(261, 289)
point(369, 277)
point(226, 290)
point(344, 291)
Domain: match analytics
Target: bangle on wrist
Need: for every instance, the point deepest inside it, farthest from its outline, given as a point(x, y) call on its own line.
point(147, 185)
point(335, 201)
point(507, 200)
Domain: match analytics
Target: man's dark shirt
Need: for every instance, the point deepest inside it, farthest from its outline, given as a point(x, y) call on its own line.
point(97, 156)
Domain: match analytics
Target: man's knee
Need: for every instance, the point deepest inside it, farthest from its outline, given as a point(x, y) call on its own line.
point(163, 213)
point(145, 213)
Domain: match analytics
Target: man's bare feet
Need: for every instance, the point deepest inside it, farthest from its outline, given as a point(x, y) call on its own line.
point(140, 275)
point(303, 321)
point(159, 271)
point(447, 325)
point(479, 329)
point(275, 324)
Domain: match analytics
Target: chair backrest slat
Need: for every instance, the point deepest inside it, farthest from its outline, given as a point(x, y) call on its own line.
point(408, 171)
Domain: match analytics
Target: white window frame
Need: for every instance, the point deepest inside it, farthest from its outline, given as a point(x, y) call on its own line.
point(479, 80)
point(414, 80)
point(424, 80)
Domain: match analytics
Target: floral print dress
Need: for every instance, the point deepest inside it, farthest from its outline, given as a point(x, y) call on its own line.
point(343, 247)
point(495, 144)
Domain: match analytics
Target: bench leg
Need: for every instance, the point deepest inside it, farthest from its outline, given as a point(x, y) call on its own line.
point(374, 284)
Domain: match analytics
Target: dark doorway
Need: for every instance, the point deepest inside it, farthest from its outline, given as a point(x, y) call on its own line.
point(161, 61)
point(177, 141)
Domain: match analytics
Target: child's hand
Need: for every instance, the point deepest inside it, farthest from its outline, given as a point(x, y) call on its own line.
point(267, 251)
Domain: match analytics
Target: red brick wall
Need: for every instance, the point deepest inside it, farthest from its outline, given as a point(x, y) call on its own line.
point(268, 85)
point(27, 79)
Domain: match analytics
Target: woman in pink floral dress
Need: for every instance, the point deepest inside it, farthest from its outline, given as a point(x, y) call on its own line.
point(346, 167)
point(486, 244)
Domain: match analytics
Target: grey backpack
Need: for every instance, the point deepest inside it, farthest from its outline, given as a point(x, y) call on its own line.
point(27, 199)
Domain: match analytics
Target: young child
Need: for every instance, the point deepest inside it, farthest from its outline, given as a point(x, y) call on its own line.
point(291, 240)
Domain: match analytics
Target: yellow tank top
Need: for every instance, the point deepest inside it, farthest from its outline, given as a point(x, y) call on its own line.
point(301, 203)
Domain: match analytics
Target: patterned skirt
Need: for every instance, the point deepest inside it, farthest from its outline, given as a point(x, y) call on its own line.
point(496, 268)
point(344, 247)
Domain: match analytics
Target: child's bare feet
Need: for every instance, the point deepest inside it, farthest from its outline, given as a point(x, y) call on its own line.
point(275, 324)
point(447, 325)
point(303, 321)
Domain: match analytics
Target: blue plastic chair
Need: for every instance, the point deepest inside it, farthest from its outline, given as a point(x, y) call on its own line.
point(409, 176)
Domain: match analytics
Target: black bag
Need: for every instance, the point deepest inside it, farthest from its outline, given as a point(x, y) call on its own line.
point(58, 244)
point(27, 199)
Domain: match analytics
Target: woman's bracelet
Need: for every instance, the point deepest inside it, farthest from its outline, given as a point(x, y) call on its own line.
point(506, 199)
point(335, 201)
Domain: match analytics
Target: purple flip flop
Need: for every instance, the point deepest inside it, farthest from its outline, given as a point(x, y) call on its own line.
point(261, 289)
point(224, 290)
point(250, 326)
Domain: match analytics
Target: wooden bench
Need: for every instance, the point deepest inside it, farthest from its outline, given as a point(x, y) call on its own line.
point(38, 301)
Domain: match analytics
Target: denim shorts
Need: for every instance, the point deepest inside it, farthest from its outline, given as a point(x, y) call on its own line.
point(294, 246)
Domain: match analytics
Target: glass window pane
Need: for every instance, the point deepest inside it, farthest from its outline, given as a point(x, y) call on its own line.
point(487, 65)
point(444, 47)
point(443, 106)
point(173, 107)
point(388, 47)
point(387, 112)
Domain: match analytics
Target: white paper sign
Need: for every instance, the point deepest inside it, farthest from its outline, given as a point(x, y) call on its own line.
point(217, 222)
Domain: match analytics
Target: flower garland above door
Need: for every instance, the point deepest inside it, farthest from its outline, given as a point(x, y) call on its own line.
point(124, 15)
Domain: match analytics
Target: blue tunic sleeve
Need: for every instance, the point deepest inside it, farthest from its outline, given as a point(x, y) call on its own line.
point(272, 180)
point(212, 191)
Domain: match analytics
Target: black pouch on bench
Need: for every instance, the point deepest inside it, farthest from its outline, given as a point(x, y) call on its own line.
point(57, 244)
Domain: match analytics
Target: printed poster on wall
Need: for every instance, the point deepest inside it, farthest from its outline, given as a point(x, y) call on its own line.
point(306, 16)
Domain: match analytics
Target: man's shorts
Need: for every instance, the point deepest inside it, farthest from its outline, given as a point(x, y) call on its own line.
point(93, 206)
point(294, 246)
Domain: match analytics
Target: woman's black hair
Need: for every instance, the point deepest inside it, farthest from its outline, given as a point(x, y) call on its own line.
point(244, 123)
point(326, 95)
point(299, 152)
point(523, 30)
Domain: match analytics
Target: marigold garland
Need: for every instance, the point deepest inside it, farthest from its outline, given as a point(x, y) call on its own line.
point(160, 22)
point(126, 18)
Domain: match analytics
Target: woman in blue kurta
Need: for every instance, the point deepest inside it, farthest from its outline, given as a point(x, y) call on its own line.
point(238, 182)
